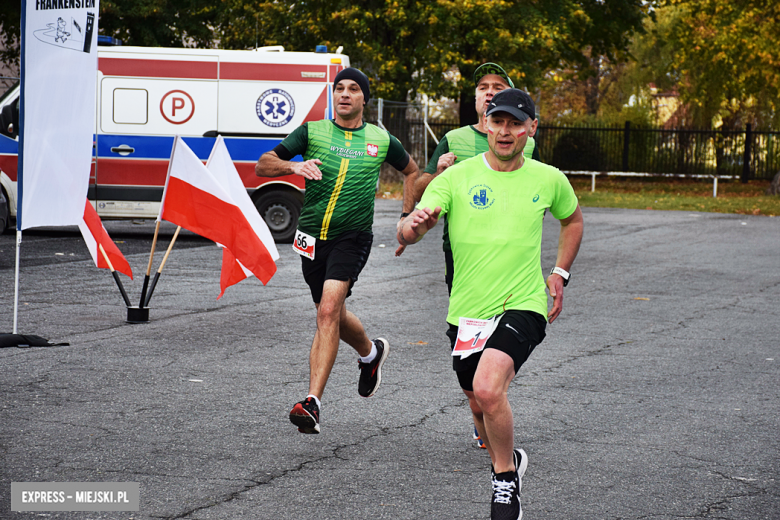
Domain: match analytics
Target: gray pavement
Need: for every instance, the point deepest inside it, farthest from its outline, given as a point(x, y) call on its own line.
point(655, 395)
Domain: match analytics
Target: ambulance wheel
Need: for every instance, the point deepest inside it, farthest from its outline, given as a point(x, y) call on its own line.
point(5, 212)
point(280, 210)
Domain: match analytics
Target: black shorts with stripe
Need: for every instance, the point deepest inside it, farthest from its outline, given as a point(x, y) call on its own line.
point(517, 334)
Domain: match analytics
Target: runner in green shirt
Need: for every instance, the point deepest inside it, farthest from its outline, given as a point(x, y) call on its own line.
point(495, 205)
point(464, 143)
point(341, 161)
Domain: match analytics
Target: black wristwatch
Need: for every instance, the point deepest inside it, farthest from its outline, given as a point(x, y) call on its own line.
point(404, 214)
point(563, 273)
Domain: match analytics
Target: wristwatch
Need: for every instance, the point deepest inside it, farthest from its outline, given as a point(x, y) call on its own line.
point(404, 214)
point(563, 273)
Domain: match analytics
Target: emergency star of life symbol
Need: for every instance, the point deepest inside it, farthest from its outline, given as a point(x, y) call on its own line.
point(275, 107)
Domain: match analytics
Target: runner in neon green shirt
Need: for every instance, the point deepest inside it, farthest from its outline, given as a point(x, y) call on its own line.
point(495, 204)
point(341, 167)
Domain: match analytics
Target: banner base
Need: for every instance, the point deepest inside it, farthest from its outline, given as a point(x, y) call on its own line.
point(137, 315)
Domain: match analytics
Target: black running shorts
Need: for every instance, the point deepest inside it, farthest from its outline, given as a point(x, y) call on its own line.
point(517, 335)
point(339, 259)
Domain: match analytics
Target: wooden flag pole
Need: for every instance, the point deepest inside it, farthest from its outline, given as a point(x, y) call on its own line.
point(115, 275)
point(162, 264)
point(149, 267)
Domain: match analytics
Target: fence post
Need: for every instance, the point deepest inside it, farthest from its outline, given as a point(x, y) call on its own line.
point(626, 139)
point(746, 158)
point(425, 127)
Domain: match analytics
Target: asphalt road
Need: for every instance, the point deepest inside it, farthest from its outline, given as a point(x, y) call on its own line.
point(654, 396)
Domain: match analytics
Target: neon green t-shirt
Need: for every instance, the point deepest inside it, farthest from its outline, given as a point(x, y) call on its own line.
point(495, 222)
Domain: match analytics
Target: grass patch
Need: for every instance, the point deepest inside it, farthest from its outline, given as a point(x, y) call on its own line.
point(658, 193)
point(677, 195)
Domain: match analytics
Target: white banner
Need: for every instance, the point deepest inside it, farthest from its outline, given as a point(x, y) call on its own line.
point(59, 74)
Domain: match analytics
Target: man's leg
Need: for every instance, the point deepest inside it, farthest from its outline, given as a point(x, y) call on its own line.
point(494, 373)
point(352, 332)
point(325, 346)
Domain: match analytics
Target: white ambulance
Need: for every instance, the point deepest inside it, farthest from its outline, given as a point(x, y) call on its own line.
point(145, 96)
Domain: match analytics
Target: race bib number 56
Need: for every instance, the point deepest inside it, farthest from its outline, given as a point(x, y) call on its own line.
point(304, 244)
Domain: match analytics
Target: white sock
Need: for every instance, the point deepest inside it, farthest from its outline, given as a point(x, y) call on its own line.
point(316, 400)
point(370, 357)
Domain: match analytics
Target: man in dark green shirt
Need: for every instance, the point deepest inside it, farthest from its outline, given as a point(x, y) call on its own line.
point(341, 161)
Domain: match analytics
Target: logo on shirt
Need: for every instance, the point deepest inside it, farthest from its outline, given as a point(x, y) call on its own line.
point(275, 107)
point(481, 196)
point(372, 149)
point(536, 198)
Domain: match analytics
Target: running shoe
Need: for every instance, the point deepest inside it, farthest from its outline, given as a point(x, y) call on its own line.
point(371, 373)
point(306, 416)
point(476, 437)
point(506, 490)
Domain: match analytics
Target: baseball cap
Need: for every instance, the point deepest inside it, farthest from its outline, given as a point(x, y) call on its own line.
point(514, 101)
point(491, 68)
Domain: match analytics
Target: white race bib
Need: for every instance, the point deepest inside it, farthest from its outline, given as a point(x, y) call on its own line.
point(473, 334)
point(304, 244)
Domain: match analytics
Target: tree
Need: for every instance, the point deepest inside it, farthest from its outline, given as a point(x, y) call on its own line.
point(161, 23)
point(723, 57)
point(408, 47)
point(10, 22)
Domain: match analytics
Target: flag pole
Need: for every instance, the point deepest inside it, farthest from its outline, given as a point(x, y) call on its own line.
point(115, 275)
point(162, 264)
point(16, 278)
point(149, 267)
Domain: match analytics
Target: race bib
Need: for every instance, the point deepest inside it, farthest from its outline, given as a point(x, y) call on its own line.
point(473, 334)
point(304, 244)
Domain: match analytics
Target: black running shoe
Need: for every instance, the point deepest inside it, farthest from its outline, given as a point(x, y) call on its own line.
point(371, 373)
point(306, 416)
point(506, 490)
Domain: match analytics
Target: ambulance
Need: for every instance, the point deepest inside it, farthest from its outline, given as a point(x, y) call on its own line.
point(146, 96)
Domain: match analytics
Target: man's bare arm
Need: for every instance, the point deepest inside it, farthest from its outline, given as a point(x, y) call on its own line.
point(270, 165)
point(569, 242)
point(411, 174)
point(445, 161)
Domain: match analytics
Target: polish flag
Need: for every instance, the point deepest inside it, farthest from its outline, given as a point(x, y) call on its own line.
point(222, 168)
point(194, 199)
point(96, 235)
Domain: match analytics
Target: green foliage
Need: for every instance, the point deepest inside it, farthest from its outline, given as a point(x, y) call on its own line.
point(10, 23)
point(159, 23)
point(722, 56)
point(409, 47)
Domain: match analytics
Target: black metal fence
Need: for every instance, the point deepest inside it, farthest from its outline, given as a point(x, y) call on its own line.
point(744, 154)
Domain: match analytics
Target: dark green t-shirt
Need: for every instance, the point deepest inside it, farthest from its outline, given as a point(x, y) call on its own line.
point(343, 200)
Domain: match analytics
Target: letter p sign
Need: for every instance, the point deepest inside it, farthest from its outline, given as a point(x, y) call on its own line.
point(177, 107)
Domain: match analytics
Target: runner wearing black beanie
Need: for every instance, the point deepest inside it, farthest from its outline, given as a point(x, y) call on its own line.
point(358, 77)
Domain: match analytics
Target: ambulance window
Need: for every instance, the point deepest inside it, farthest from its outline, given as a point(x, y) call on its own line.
point(130, 106)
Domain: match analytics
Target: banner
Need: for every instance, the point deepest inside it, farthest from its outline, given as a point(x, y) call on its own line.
point(57, 116)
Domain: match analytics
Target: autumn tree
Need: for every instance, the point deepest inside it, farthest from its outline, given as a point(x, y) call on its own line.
point(722, 56)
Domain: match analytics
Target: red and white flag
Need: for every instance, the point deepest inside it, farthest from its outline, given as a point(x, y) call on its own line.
point(195, 200)
point(95, 235)
point(221, 166)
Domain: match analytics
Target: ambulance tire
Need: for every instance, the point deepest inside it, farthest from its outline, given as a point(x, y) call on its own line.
point(5, 212)
point(280, 210)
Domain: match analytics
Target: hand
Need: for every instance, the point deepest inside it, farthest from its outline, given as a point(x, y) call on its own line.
point(445, 161)
point(401, 248)
point(308, 169)
point(555, 285)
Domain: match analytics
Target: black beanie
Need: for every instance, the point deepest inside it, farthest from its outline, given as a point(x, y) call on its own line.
point(358, 77)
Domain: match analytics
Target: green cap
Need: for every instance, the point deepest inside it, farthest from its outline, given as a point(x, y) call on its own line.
point(491, 68)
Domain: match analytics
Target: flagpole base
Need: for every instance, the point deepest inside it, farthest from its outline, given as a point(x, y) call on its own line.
point(137, 315)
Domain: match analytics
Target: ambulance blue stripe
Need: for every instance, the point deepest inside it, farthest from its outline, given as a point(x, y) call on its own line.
point(159, 147)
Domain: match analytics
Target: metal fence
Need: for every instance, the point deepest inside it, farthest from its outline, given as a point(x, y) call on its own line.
point(743, 154)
